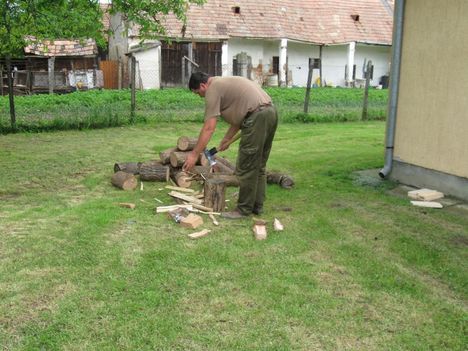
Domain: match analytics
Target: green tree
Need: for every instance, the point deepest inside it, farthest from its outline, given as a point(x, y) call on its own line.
point(74, 19)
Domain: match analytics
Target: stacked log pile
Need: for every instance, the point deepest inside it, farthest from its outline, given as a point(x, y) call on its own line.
point(169, 168)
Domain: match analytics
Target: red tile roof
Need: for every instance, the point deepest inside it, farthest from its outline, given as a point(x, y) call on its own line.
point(63, 47)
point(314, 21)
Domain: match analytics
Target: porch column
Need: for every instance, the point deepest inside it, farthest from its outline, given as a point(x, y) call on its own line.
point(226, 71)
point(349, 71)
point(282, 69)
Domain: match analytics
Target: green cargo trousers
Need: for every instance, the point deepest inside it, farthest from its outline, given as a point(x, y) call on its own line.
point(257, 133)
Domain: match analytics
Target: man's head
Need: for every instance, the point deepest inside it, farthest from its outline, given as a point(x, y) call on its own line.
point(198, 83)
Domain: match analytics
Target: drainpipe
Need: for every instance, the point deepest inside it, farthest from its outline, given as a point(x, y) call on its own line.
point(393, 88)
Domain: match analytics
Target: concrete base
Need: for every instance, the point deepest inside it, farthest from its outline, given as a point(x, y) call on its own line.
point(421, 177)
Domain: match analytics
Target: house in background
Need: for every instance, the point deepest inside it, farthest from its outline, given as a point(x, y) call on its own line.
point(427, 128)
point(272, 42)
point(55, 66)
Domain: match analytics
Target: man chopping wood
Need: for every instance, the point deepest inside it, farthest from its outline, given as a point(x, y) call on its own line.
point(245, 107)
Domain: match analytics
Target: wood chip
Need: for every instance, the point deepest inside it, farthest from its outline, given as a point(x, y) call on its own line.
point(127, 205)
point(199, 234)
point(277, 225)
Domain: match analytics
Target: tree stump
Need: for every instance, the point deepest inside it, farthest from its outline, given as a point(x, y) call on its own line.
point(166, 154)
point(215, 190)
point(185, 143)
point(154, 171)
point(128, 167)
point(125, 181)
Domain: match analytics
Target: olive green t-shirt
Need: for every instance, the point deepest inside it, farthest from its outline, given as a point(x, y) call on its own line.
point(232, 98)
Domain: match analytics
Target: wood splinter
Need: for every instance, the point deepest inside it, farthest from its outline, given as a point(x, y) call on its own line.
point(199, 234)
point(127, 205)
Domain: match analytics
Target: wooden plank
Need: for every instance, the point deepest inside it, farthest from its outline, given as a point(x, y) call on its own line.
point(429, 204)
point(163, 209)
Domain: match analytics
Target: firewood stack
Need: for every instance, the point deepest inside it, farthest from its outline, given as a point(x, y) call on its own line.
point(169, 167)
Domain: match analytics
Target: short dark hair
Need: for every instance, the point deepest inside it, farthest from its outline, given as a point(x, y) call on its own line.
point(196, 79)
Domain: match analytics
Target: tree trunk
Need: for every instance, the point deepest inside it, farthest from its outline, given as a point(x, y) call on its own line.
point(11, 94)
point(166, 154)
point(215, 194)
point(154, 171)
point(185, 143)
point(129, 167)
point(125, 181)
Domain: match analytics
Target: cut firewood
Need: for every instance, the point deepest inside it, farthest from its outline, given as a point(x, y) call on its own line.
point(259, 231)
point(125, 181)
point(128, 167)
point(154, 171)
point(178, 188)
point(425, 194)
point(429, 204)
point(277, 225)
point(225, 162)
point(199, 234)
point(127, 205)
point(182, 179)
point(282, 180)
point(201, 207)
point(185, 143)
point(185, 197)
point(178, 214)
point(191, 221)
point(215, 190)
point(213, 219)
point(163, 209)
point(166, 154)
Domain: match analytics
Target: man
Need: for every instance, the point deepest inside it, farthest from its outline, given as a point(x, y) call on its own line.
point(245, 107)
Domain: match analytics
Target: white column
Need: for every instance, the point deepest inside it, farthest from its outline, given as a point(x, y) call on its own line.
point(283, 53)
point(226, 71)
point(351, 51)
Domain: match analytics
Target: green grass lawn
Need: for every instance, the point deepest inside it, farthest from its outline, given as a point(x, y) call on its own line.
point(356, 268)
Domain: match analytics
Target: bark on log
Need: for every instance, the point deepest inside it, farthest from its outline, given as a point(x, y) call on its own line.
point(228, 179)
point(125, 181)
point(185, 143)
point(165, 155)
point(182, 179)
point(282, 180)
point(127, 167)
point(215, 190)
point(177, 158)
point(154, 171)
point(226, 162)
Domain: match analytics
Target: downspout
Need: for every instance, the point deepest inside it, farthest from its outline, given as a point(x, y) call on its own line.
point(393, 88)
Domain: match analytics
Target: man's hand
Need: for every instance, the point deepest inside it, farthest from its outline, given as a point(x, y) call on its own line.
point(190, 162)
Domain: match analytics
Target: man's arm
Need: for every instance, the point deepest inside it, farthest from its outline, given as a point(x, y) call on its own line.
point(224, 145)
point(203, 139)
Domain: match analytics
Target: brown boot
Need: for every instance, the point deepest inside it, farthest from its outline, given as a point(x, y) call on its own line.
point(236, 214)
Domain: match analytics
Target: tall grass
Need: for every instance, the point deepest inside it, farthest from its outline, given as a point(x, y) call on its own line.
point(106, 108)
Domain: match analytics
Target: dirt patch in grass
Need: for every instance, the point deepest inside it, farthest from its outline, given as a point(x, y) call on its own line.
point(459, 240)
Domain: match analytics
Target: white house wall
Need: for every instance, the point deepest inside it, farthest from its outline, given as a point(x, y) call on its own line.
point(334, 59)
point(148, 76)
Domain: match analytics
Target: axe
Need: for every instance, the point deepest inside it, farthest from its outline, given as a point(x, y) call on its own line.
point(209, 154)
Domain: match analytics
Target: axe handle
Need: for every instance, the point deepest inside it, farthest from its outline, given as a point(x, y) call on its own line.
point(234, 138)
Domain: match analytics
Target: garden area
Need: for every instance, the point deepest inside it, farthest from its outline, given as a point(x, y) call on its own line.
point(357, 267)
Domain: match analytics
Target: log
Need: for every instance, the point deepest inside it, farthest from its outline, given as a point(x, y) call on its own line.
point(166, 154)
point(177, 158)
point(282, 180)
point(154, 171)
point(182, 179)
point(185, 143)
point(224, 161)
point(125, 181)
point(128, 167)
point(215, 190)
point(228, 179)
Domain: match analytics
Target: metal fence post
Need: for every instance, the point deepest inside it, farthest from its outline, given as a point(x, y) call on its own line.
point(366, 91)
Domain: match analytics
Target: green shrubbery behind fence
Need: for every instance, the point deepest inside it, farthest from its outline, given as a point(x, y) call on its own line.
point(106, 108)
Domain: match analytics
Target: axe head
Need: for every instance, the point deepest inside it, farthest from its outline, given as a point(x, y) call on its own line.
point(209, 156)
